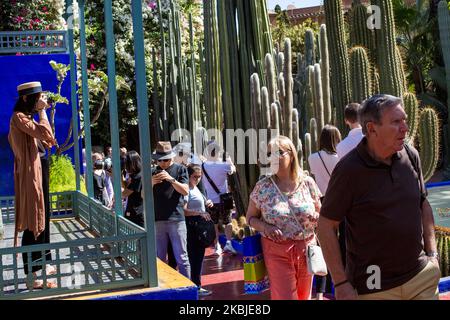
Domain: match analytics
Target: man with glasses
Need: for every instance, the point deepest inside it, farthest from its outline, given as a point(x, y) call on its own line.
point(170, 186)
point(378, 188)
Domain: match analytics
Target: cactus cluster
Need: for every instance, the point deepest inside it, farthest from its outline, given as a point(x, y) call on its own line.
point(443, 247)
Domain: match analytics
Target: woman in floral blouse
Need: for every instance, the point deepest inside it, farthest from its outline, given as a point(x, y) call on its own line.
point(285, 237)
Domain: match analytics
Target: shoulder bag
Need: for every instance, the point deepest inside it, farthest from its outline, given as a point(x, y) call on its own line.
point(226, 199)
point(314, 256)
point(205, 233)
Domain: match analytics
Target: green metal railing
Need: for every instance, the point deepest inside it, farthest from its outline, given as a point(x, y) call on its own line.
point(33, 41)
point(113, 260)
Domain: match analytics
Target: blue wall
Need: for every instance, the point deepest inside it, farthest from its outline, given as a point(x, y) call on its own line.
point(15, 70)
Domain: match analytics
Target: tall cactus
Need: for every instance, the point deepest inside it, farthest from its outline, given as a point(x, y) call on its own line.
point(213, 101)
point(309, 97)
point(318, 97)
point(340, 70)
point(361, 74)
point(375, 81)
point(271, 78)
point(412, 110)
point(429, 141)
point(275, 118)
point(307, 150)
point(289, 83)
point(390, 74)
point(255, 100)
point(310, 53)
point(360, 35)
point(314, 132)
point(325, 69)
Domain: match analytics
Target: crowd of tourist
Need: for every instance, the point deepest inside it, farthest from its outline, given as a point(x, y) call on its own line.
point(363, 201)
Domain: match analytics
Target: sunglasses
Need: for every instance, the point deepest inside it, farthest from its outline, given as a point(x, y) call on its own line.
point(278, 153)
point(165, 160)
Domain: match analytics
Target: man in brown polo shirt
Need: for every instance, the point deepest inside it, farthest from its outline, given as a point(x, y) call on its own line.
point(379, 190)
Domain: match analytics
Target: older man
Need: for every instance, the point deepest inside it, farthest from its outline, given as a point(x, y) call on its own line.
point(379, 190)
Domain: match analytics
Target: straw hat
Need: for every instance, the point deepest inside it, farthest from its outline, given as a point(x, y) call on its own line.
point(29, 88)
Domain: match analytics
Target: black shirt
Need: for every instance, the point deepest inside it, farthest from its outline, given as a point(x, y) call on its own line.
point(382, 207)
point(134, 199)
point(168, 202)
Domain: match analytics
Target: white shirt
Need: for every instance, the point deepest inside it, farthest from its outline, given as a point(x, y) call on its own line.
point(218, 172)
point(318, 170)
point(348, 144)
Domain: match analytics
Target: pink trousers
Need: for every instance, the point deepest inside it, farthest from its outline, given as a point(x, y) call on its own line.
point(286, 266)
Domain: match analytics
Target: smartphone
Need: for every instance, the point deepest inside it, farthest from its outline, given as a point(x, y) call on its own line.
point(157, 171)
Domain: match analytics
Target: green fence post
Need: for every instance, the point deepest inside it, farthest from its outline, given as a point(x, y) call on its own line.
point(113, 112)
point(149, 266)
point(86, 108)
point(73, 92)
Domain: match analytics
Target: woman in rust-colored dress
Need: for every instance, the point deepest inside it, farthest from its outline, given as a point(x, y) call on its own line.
point(29, 140)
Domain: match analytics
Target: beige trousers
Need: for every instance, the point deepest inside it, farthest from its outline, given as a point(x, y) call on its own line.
point(424, 286)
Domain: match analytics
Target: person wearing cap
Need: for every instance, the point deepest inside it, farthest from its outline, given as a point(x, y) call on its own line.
point(29, 139)
point(170, 183)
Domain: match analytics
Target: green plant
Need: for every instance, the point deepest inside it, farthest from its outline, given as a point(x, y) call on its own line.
point(391, 79)
point(429, 141)
point(443, 246)
point(412, 110)
point(337, 42)
point(62, 175)
point(361, 74)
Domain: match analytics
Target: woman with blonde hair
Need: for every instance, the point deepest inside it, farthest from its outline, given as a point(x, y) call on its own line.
point(285, 207)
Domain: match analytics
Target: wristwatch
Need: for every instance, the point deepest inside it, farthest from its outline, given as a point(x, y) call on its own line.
point(433, 254)
point(172, 180)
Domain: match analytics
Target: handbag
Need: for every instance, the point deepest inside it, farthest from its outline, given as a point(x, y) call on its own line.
point(226, 199)
point(205, 232)
point(314, 256)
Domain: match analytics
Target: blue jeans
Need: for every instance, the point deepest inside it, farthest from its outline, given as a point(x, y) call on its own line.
point(176, 233)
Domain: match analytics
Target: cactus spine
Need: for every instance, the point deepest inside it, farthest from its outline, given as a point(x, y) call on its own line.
point(391, 81)
point(325, 69)
point(429, 141)
point(412, 110)
point(340, 70)
point(361, 74)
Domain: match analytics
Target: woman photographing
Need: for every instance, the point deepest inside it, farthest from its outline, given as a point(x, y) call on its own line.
point(29, 140)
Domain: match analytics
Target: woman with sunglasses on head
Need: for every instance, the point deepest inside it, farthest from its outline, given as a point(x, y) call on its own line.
point(285, 207)
point(194, 211)
point(29, 140)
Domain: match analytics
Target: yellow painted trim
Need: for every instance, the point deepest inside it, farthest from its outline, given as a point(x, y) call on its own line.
point(168, 278)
